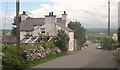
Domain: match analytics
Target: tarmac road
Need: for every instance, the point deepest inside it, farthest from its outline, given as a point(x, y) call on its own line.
point(87, 58)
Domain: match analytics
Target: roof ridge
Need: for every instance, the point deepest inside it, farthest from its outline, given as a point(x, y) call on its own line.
point(36, 18)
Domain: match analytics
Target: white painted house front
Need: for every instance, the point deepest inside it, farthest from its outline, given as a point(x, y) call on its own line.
point(31, 28)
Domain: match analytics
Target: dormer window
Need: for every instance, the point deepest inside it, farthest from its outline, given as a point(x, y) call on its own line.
point(42, 28)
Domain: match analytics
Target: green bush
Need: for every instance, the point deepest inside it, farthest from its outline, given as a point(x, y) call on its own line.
point(107, 43)
point(28, 47)
point(12, 59)
point(79, 46)
point(62, 40)
point(49, 45)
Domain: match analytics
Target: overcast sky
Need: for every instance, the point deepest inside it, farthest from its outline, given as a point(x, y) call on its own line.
point(91, 13)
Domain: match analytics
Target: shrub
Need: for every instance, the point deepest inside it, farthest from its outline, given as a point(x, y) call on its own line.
point(12, 59)
point(49, 45)
point(79, 46)
point(62, 40)
point(107, 43)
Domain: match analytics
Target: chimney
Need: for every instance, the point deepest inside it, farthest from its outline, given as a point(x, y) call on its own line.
point(24, 16)
point(50, 24)
point(64, 18)
point(51, 13)
point(24, 12)
point(64, 12)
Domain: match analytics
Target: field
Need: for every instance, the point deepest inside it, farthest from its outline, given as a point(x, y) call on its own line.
point(100, 30)
point(96, 35)
point(7, 32)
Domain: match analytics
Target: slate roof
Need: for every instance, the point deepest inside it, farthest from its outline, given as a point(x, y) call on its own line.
point(59, 20)
point(64, 27)
point(28, 24)
point(61, 23)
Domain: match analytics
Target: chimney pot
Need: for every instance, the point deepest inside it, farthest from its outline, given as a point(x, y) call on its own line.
point(52, 13)
point(24, 12)
point(64, 12)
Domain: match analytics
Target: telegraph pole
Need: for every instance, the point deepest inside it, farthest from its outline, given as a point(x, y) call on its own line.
point(108, 18)
point(18, 24)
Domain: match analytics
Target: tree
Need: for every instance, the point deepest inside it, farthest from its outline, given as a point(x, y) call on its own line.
point(14, 30)
point(62, 40)
point(79, 31)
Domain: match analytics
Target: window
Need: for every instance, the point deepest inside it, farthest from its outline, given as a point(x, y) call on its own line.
point(42, 32)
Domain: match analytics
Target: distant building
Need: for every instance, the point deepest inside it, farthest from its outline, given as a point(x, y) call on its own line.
point(31, 28)
point(115, 37)
point(8, 39)
point(102, 33)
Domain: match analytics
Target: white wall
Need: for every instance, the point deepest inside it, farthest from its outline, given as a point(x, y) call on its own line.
point(71, 41)
point(115, 37)
point(36, 31)
point(22, 33)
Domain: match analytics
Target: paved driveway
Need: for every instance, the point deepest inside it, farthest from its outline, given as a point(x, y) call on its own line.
point(87, 58)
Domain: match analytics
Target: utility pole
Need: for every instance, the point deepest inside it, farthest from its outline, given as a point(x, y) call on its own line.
point(108, 18)
point(18, 25)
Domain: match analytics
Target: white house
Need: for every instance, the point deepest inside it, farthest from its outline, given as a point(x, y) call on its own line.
point(31, 28)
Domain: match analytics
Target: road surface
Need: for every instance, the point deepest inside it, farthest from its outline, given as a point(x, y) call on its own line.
point(87, 58)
